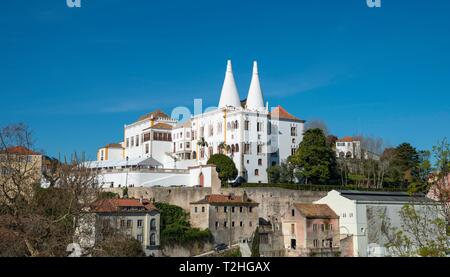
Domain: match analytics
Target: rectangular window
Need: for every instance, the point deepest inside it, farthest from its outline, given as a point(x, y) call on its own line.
point(188, 145)
point(260, 162)
point(314, 227)
point(137, 140)
point(241, 224)
point(247, 148)
point(203, 209)
point(217, 225)
point(128, 143)
point(294, 131)
point(147, 148)
point(232, 224)
point(247, 125)
point(322, 227)
point(316, 243)
point(132, 141)
point(292, 229)
point(139, 223)
point(240, 209)
point(250, 209)
point(147, 137)
point(129, 223)
point(122, 223)
point(225, 209)
point(140, 238)
point(250, 224)
point(195, 210)
point(232, 209)
point(293, 212)
point(225, 224)
point(260, 149)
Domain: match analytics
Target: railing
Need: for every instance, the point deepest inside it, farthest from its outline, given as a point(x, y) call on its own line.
point(145, 170)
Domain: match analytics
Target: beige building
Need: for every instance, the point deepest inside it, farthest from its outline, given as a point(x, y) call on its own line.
point(20, 169)
point(137, 218)
point(230, 218)
point(111, 152)
point(311, 230)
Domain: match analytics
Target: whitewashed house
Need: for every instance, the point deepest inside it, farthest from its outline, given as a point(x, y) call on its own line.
point(363, 216)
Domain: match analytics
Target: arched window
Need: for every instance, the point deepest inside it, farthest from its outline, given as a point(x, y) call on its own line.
point(153, 224)
point(349, 155)
point(194, 155)
point(236, 148)
point(232, 148)
point(256, 172)
point(341, 155)
point(153, 239)
point(236, 124)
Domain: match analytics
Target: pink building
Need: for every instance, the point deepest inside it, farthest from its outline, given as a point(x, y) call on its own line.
point(311, 230)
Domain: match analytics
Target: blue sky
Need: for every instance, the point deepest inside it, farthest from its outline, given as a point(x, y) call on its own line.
point(76, 76)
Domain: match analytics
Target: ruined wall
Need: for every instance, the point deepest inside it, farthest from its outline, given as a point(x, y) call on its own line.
point(273, 202)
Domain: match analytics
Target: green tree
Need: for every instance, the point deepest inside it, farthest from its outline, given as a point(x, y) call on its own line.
point(225, 167)
point(406, 161)
point(175, 227)
point(255, 244)
point(315, 159)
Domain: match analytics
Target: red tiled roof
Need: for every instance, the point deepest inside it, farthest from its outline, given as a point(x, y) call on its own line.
point(114, 145)
point(20, 150)
point(281, 113)
point(315, 210)
point(220, 199)
point(156, 115)
point(115, 205)
point(347, 139)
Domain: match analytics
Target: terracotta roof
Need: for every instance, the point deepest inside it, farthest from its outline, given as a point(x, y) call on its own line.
point(158, 114)
point(315, 210)
point(160, 126)
point(116, 205)
point(280, 113)
point(19, 150)
point(186, 124)
point(114, 145)
point(347, 139)
point(220, 199)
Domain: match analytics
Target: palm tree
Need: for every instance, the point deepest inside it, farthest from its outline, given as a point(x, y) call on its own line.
point(224, 146)
point(203, 144)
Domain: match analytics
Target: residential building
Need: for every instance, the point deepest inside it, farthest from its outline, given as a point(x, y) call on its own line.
point(111, 152)
point(364, 215)
point(230, 218)
point(311, 230)
point(353, 148)
point(20, 170)
point(136, 218)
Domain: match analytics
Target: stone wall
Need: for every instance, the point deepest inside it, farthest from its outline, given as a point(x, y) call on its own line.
point(186, 251)
point(273, 202)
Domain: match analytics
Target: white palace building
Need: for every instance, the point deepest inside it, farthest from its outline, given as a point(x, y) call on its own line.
point(157, 150)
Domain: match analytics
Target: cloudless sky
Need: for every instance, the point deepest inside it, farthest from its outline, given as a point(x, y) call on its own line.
point(76, 76)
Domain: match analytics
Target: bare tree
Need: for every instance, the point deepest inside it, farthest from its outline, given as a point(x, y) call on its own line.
point(317, 124)
point(36, 221)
